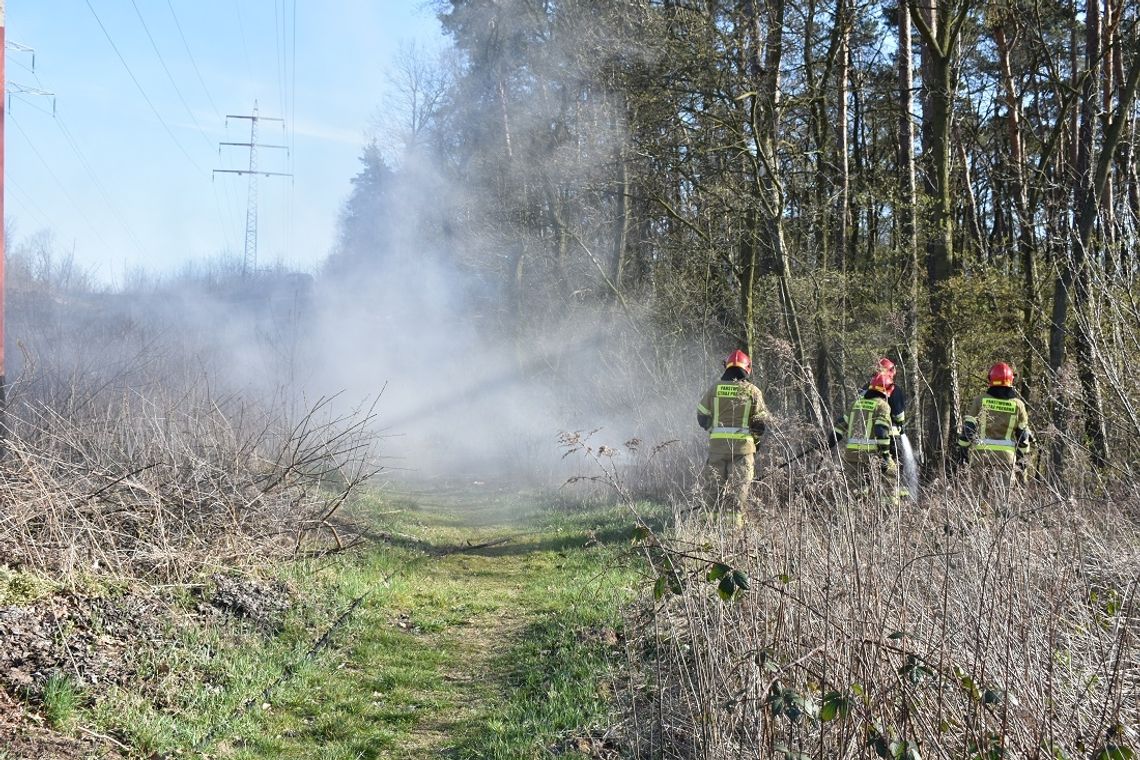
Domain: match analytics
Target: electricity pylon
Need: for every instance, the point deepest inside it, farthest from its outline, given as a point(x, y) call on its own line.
point(249, 259)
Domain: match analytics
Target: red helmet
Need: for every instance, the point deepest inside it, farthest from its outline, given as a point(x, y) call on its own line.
point(739, 359)
point(881, 382)
point(1001, 374)
point(887, 367)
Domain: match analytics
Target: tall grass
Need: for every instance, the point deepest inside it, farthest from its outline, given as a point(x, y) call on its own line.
point(61, 698)
point(950, 628)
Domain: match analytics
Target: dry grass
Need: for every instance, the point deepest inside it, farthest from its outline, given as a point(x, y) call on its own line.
point(166, 484)
point(944, 629)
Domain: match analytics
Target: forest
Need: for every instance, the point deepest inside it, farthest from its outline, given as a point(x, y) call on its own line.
point(948, 182)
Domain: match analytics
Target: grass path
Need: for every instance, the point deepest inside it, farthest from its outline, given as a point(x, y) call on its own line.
point(492, 631)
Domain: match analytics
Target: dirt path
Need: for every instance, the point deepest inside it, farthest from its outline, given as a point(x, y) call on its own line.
point(489, 595)
point(468, 678)
point(471, 677)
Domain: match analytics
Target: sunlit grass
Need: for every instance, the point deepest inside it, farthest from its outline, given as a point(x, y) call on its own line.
point(61, 698)
point(464, 641)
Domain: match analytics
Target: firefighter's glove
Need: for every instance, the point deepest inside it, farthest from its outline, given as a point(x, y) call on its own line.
point(1024, 441)
point(758, 428)
point(962, 452)
point(704, 420)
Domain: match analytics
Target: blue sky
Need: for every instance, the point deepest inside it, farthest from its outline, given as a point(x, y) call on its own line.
point(127, 184)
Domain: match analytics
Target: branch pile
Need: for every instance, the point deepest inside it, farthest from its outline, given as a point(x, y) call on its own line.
point(168, 487)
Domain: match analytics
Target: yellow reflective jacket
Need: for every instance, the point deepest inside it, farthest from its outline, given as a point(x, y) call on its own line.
point(736, 413)
point(866, 429)
point(997, 424)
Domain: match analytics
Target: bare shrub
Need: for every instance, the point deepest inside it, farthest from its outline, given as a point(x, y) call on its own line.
point(169, 482)
point(666, 469)
point(631, 471)
point(949, 628)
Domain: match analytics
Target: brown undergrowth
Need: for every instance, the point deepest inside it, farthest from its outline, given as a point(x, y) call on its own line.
point(167, 486)
point(131, 516)
point(82, 645)
point(950, 628)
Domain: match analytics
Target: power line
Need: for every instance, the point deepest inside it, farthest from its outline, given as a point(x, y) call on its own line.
point(279, 44)
point(189, 111)
point(249, 71)
point(94, 176)
point(16, 123)
point(142, 91)
point(14, 91)
point(173, 82)
point(25, 200)
point(231, 198)
point(181, 97)
point(280, 72)
point(286, 69)
point(25, 67)
point(241, 32)
point(193, 62)
point(293, 83)
point(292, 129)
point(16, 96)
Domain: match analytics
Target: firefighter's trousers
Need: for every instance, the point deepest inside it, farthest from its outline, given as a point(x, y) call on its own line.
point(872, 473)
point(993, 476)
point(727, 480)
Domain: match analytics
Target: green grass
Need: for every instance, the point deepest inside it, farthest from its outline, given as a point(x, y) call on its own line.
point(23, 587)
point(61, 699)
point(559, 678)
point(497, 651)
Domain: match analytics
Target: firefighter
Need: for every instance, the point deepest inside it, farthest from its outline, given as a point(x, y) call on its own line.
point(733, 413)
point(895, 395)
point(995, 435)
point(867, 432)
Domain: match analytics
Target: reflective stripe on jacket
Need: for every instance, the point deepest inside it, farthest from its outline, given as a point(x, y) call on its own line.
point(997, 425)
point(867, 426)
point(734, 408)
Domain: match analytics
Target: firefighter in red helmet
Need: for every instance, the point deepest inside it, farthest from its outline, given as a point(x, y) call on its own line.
point(896, 398)
point(867, 433)
point(733, 413)
point(995, 433)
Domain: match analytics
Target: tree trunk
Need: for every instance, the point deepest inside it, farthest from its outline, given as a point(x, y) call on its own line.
point(940, 32)
point(749, 263)
point(1126, 166)
point(620, 225)
point(821, 190)
point(1026, 237)
point(973, 218)
point(907, 218)
point(1108, 91)
point(843, 204)
point(1075, 277)
point(767, 108)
